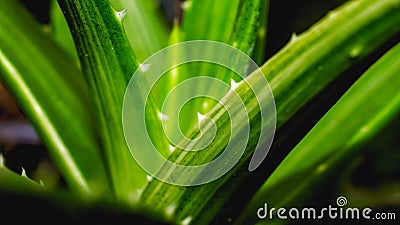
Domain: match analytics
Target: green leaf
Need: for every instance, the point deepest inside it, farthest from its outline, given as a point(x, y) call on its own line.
point(12, 181)
point(51, 91)
point(167, 82)
point(232, 22)
point(259, 49)
point(372, 102)
point(209, 20)
point(60, 30)
point(144, 25)
point(296, 74)
point(34, 202)
point(247, 25)
point(108, 63)
point(142, 17)
point(203, 20)
point(242, 37)
point(350, 33)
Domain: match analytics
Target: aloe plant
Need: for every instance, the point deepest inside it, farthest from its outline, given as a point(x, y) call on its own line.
point(71, 83)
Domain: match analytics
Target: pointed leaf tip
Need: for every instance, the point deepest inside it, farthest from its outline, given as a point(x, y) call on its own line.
point(171, 148)
point(1, 160)
point(234, 84)
point(200, 117)
point(23, 172)
point(163, 117)
point(293, 38)
point(121, 14)
point(170, 209)
point(187, 220)
point(186, 5)
point(144, 67)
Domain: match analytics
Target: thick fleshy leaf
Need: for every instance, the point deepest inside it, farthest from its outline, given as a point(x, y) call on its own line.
point(145, 27)
point(242, 37)
point(11, 181)
point(60, 30)
point(374, 100)
point(51, 91)
point(108, 63)
point(231, 22)
point(34, 202)
point(209, 20)
point(258, 54)
point(296, 74)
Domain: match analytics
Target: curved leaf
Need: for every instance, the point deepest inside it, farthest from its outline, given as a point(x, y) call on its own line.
point(52, 93)
point(374, 100)
point(355, 30)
